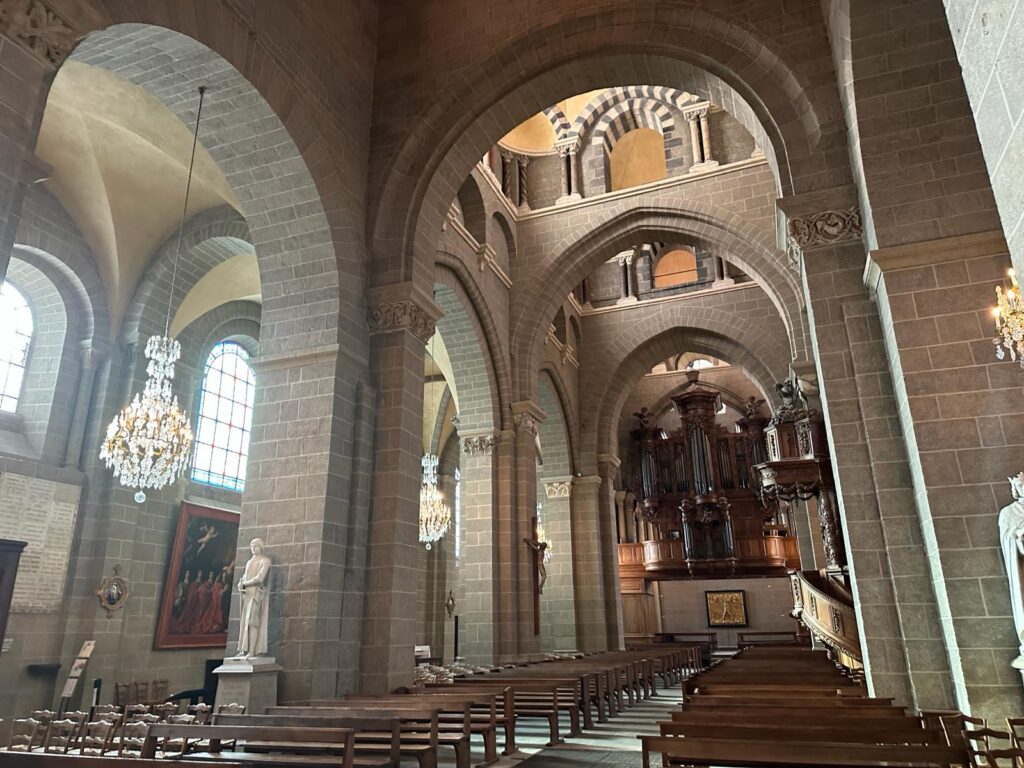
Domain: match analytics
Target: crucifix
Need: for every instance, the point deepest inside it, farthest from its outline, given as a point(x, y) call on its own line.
point(540, 573)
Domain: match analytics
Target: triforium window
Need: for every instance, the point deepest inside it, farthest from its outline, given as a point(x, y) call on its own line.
point(16, 322)
point(225, 418)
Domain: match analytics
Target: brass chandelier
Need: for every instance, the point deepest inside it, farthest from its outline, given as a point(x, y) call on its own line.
point(149, 443)
point(1009, 316)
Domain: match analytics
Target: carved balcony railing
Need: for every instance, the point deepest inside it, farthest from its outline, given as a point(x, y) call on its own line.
point(825, 607)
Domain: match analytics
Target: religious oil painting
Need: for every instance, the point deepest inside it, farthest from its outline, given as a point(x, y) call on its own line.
point(197, 590)
point(726, 608)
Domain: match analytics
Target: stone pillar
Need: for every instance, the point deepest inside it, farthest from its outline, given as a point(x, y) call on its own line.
point(568, 152)
point(628, 288)
point(523, 162)
point(506, 174)
point(961, 412)
point(401, 321)
point(608, 467)
point(558, 613)
point(896, 606)
point(509, 544)
point(705, 135)
point(526, 415)
point(92, 357)
point(587, 571)
point(477, 570)
point(695, 143)
point(29, 54)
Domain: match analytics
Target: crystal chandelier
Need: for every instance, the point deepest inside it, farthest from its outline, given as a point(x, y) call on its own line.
point(435, 516)
point(1009, 315)
point(149, 442)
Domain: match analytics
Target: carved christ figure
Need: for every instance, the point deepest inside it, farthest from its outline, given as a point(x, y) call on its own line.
point(539, 547)
point(1011, 542)
point(252, 639)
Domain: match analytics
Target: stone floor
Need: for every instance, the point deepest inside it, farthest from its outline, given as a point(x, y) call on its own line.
point(610, 743)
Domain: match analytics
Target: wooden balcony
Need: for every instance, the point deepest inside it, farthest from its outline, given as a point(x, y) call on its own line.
point(825, 607)
point(771, 554)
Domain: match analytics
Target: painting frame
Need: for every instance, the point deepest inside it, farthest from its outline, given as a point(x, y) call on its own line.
point(179, 620)
point(721, 610)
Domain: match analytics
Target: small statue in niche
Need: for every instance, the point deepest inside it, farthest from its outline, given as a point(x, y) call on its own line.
point(252, 639)
point(1011, 542)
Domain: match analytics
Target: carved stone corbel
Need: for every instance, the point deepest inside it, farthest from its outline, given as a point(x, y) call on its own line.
point(36, 28)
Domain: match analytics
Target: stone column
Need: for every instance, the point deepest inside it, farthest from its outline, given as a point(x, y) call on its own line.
point(506, 575)
point(559, 616)
point(896, 606)
point(587, 571)
point(92, 357)
point(506, 174)
point(608, 467)
point(523, 162)
point(568, 152)
point(705, 134)
point(478, 561)
point(695, 143)
point(401, 321)
point(628, 289)
point(526, 415)
point(961, 412)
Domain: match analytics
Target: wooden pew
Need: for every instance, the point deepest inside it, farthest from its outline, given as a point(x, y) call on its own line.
point(755, 753)
point(391, 732)
point(838, 732)
point(285, 747)
point(41, 760)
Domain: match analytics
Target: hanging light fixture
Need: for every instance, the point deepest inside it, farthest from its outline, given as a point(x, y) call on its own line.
point(1009, 315)
point(435, 516)
point(149, 442)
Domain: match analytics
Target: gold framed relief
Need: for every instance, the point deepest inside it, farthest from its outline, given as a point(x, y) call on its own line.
point(726, 607)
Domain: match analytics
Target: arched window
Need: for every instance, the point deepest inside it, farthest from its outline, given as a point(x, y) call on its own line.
point(16, 322)
point(225, 418)
point(637, 158)
point(699, 364)
point(677, 267)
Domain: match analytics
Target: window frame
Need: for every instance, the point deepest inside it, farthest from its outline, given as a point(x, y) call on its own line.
point(19, 396)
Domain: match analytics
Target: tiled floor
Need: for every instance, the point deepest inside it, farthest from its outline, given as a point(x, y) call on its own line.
point(610, 743)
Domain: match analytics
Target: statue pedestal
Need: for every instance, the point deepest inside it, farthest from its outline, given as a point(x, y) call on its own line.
point(252, 682)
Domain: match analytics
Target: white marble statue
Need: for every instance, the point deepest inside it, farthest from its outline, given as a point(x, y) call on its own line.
point(252, 639)
point(1011, 541)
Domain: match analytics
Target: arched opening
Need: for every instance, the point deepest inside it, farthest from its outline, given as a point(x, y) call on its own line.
point(637, 158)
point(677, 267)
point(16, 319)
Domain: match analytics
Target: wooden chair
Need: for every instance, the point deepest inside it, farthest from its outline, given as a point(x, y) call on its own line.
point(202, 713)
point(978, 742)
point(172, 746)
point(231, 709)
point(23, 735)
point(158, 691)
point(1004, 758)
point(1015, 725)
point(132, 711)
point(105, 711)
point(146, 717)
point(44, 717)
point(955, 724)
point(164, 711)
point(133, 736)
point(96, 738)
point(123, 694)
point(60, 736)
point(140, 692)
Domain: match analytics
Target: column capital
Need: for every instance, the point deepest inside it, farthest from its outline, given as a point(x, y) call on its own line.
point(695, 113)
point(402, 306)
point(584, 480)
point(36, 28)
point(568, 146)
point(609, 458)
point(527, 415)
point(558, 489)
point(479, 445)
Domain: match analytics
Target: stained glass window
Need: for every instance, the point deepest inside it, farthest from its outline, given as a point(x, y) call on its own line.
point(15, 338)
point(225, 418)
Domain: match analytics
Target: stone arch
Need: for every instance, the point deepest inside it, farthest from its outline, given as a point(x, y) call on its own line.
point(628, 115)
point(479, 403)
point(577, 333)
point(451, 271)
point(732, 64)
point(560, 398)
point(659, 97)
point(208, 239)
point(629, 368)
point(556, 116)
point(502, 240)
point(569, 262)
point(560, 326)
point(474, 214)
point(170, 65)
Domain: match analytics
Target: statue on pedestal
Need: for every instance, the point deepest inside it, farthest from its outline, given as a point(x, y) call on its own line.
point(252, 639)
point(1011, 541)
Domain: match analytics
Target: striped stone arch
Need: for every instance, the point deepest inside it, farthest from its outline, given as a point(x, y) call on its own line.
point(663, 96)
point(558, 121)
point(629, 115)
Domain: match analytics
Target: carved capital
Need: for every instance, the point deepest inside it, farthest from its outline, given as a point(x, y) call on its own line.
point(478, 445)
point(527, 422)
point(696, 114)
point(401, 315)
point(825, 228)
point(559, 489)
point(37, 29)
